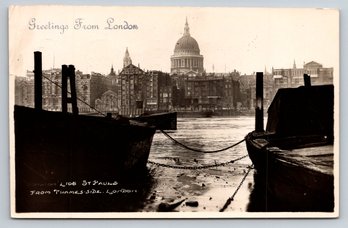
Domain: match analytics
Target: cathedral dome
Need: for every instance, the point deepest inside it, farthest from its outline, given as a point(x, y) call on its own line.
point(187, 57)
point(186, 45)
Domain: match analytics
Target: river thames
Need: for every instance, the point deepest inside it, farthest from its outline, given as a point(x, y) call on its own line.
point(180, 174)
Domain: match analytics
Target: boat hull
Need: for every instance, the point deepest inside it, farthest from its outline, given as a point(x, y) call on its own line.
point(162, 121)
point(52, 147)
point(283, 184)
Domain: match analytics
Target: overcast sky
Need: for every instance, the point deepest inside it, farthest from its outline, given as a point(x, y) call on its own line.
point(244, 39)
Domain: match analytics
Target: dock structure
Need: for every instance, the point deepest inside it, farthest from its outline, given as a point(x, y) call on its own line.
point(68, 72)
point(259, 103)
point(307, 80)
point(38, 80)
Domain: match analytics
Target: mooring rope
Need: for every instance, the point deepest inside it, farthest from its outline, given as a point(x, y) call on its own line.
point(229, 200)
point(198, 150)
point(197, 167)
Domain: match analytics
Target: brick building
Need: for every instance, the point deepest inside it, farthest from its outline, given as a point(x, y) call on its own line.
point(158, 91)
point(132, 90)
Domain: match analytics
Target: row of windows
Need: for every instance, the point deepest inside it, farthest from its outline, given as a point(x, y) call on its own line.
point(187, 63)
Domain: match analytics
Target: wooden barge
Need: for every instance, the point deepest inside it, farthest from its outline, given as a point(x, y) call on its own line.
point(294, 156)
point(60, 147)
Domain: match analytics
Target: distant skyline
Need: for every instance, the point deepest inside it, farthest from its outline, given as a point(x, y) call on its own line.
point(245, 39)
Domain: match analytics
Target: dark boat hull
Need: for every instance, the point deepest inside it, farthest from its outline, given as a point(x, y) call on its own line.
point(162, 121)
point(53, 147)
point(286, 185)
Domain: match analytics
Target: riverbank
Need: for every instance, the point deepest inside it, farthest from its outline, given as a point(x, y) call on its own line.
point(202, 190)
point(205, 190)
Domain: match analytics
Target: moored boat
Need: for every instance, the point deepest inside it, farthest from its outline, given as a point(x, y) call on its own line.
point(62, 147)
point(161, 121)
point(294, 156)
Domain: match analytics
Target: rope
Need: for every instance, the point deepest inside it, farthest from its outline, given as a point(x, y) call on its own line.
point(196, 167)
point(77, 97)
point(229, 200)
point(198, 150)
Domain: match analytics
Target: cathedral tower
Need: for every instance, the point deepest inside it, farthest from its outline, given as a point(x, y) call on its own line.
point(186, 57)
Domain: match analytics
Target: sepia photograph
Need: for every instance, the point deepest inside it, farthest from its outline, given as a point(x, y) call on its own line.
point(173, 112)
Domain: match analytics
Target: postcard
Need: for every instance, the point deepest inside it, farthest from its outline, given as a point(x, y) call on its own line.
point(173, 112)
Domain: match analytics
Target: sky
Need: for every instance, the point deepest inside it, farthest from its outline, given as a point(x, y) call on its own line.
point(245, 39)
